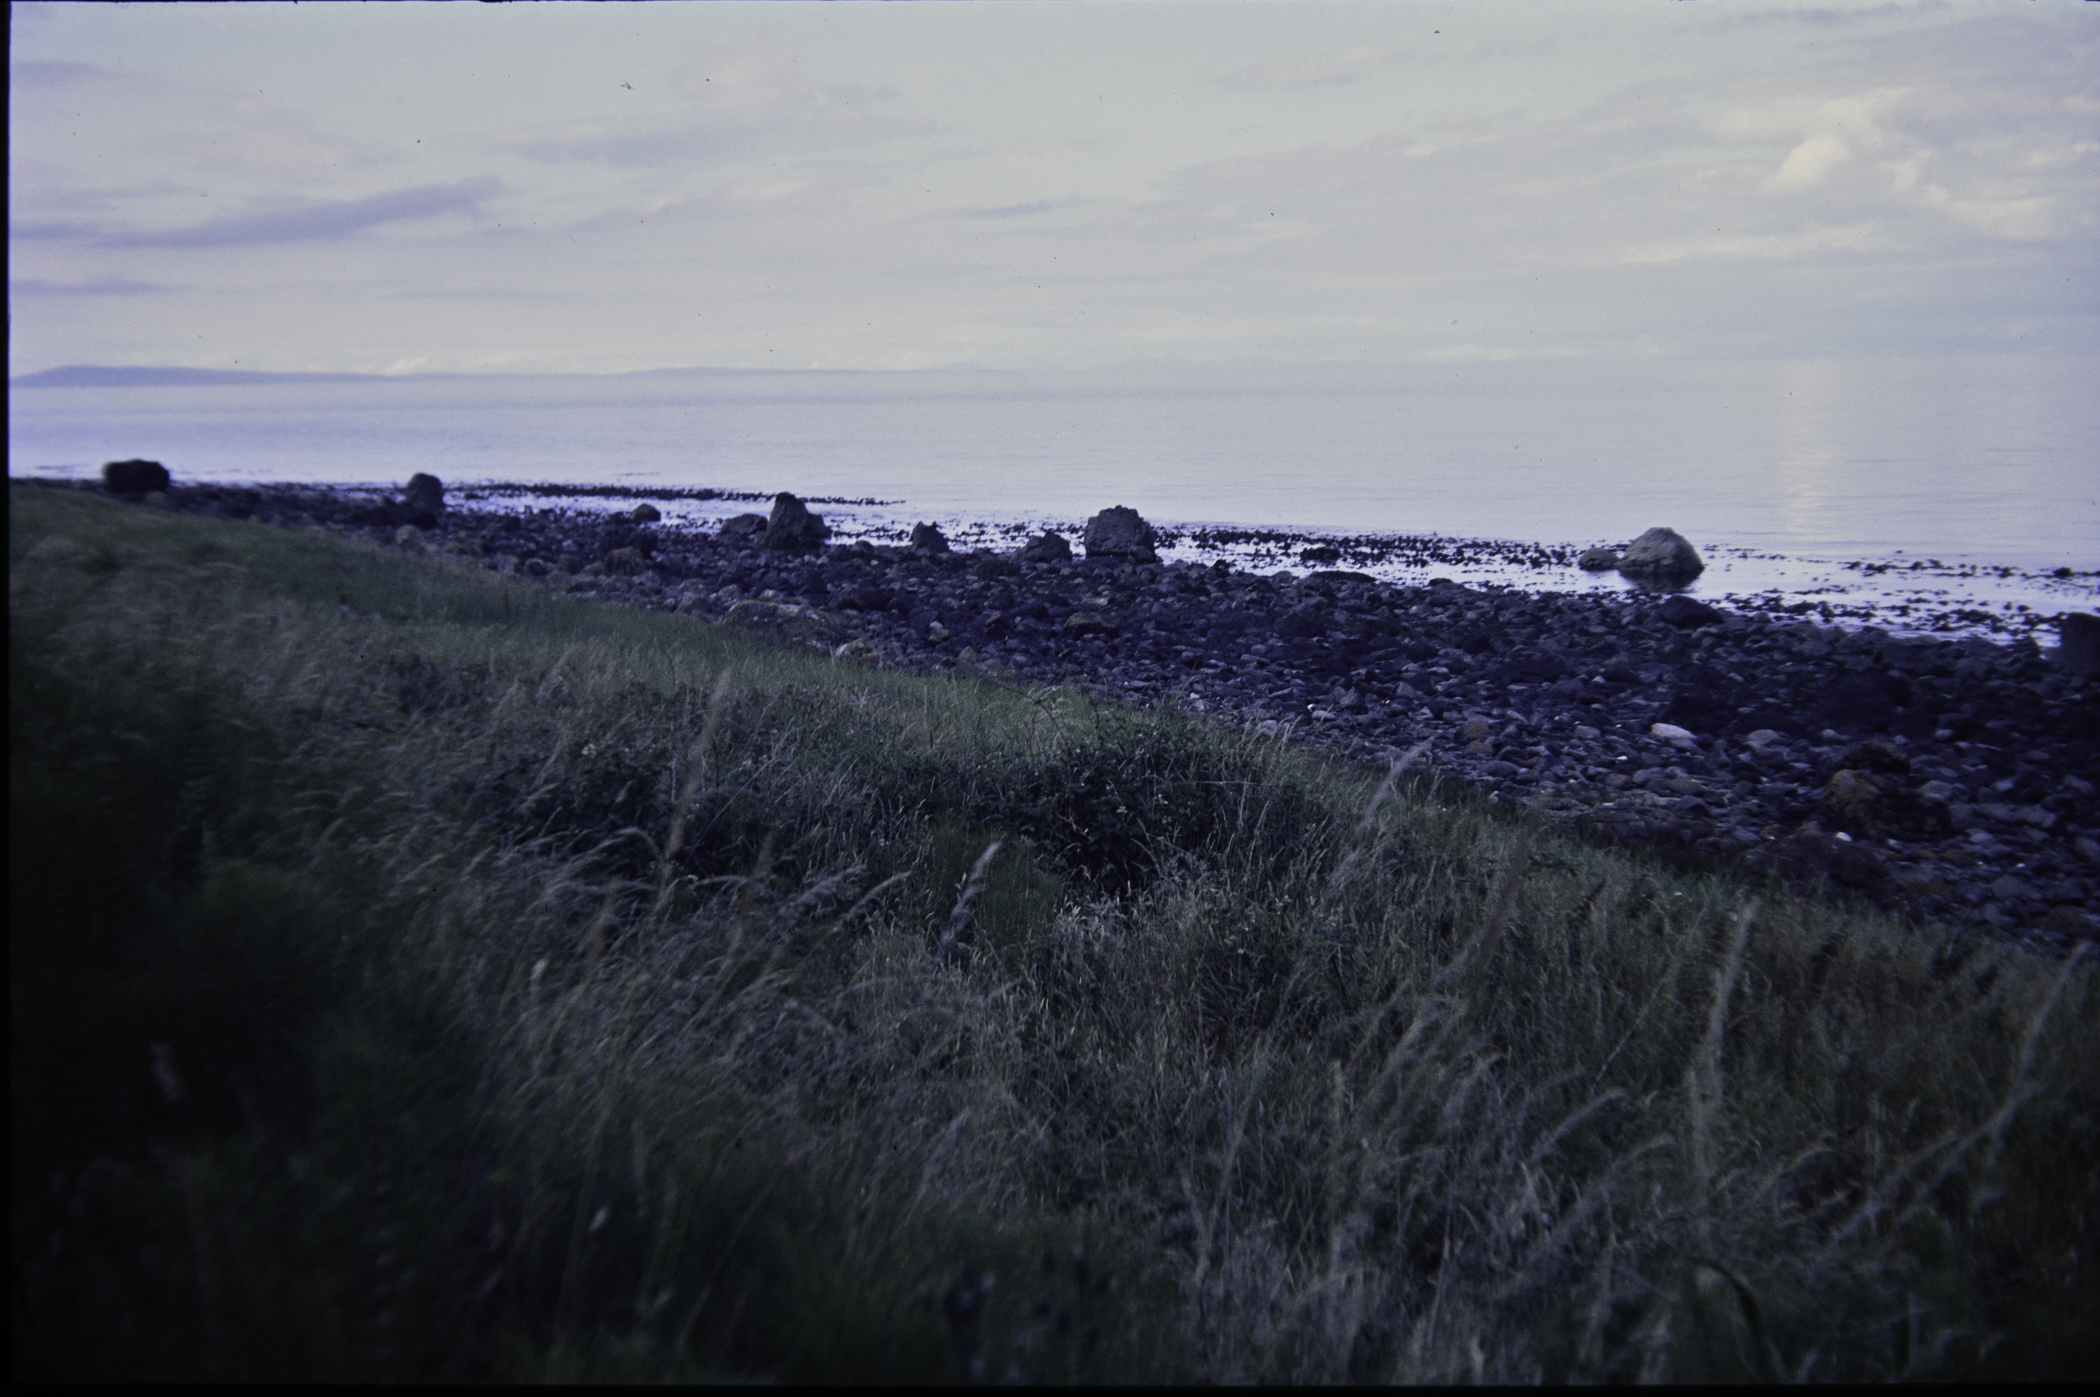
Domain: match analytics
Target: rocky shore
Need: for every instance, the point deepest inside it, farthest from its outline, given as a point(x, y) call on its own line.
point(1946, 779)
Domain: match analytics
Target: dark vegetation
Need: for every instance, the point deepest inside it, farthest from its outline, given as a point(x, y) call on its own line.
point(415, 974)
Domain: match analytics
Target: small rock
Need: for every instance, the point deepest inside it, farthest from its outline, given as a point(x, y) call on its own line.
point(1047, 547)
point(1662, 557)
point(646, 514)
point(1670, 732)
point(625, 562)
point(1120, 533)
point(134, 477)
point(409, 536)
point(1598, 560)
point(1320, 554)
point(928, 538)
point(1088, 623)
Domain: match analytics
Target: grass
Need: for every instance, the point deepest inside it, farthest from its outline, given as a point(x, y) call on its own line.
point(417, 975)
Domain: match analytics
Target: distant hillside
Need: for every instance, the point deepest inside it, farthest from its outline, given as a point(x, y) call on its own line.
point(95, 376)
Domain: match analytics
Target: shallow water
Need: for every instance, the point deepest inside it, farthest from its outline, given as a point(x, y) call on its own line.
point(1806, 479)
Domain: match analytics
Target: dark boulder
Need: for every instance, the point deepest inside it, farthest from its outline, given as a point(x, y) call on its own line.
point(1598, 560)
point(860, 596)
point(1768, 720)
point(1699, 708)
point(1874, 755)
point(1812, 856)
point(1320, 553)
point(1120, 534)
point(423, 499)
point(646, 514)
point(1684, 612)
point(2080, 652)
point(744, 528)
point(928, 538)
point(791, 528)
point(134, 477)
point(1306, 623)
point(619, 533)
point(1661, 558)
point(1862, 702)
point(1880, 805)
point(1047, 547)
point(1533, 667)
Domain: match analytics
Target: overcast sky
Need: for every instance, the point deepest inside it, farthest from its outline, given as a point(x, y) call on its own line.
point(595, 188)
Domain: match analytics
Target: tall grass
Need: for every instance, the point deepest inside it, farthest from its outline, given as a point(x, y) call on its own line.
point(416, 975)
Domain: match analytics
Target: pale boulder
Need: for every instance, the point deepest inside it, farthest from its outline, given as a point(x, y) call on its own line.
point(1661, 556)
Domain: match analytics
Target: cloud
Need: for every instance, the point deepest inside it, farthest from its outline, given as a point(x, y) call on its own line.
point(1807, 163)
point(1319, 70)
point(735, 97)
point(101, 286)
point(314, 222)
point(1003, 211)
point(1765, 247)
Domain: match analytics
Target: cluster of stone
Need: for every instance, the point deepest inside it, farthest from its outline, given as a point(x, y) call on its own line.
point(1955, 779)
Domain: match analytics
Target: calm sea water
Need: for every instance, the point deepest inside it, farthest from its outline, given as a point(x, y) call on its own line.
point(1784, 469)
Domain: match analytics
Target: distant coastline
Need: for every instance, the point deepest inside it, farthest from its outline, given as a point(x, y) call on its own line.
point(144, 376)
point(96, 376)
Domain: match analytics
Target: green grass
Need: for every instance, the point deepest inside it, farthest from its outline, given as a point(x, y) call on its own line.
point(416, 975)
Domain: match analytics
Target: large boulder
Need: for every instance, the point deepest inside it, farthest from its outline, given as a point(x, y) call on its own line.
point(2081, 642)
point(1120, 533)
point(791, 528)
point(424, 499)
point(134, 477)
point(1661, 557)
point(1047, 547)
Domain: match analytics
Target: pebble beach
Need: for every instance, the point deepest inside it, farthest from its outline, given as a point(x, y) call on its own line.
point(1955, 779)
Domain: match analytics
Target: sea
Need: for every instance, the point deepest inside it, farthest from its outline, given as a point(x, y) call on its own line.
point(1923, 494)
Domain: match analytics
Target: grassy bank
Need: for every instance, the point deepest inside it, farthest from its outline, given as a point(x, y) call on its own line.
point(417, 975)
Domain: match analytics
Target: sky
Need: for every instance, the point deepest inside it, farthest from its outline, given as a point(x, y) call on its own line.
point(570, 188)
